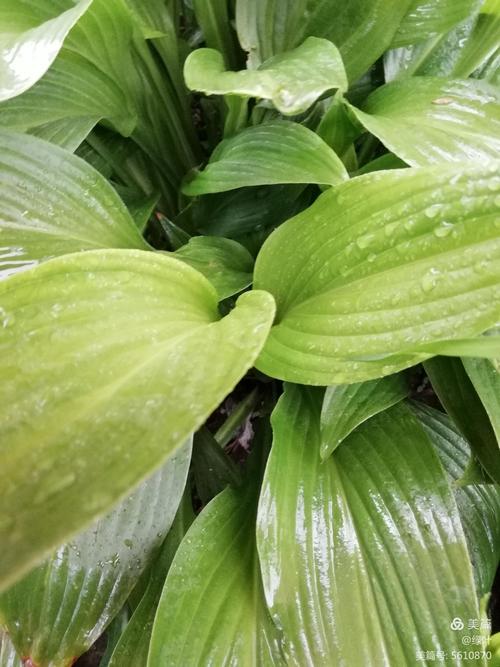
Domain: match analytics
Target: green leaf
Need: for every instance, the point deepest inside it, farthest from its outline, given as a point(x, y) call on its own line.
point(478, 504)
point(213, 18)
point(59, 609)
point(212, 610)
point(53, 203)
point(426, 120)
point(27, 48)
point(133, 646)
point(119, 352)
point(483, 41)
point(486, 380)
point(213, 470)
point(378, 265)
point(225, 263)
point(346, 406)
point(269, 154)
point(459, 397)
point(363, 556)
point(292, 81)
point(428, 18)
point(362, 29)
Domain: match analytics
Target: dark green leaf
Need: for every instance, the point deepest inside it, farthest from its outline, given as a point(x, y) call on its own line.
point(212, 468)
point(486, 380)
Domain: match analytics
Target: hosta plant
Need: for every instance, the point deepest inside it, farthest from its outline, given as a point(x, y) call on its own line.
point(249, 332)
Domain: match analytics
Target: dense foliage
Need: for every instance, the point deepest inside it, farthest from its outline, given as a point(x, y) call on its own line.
point(249, 318)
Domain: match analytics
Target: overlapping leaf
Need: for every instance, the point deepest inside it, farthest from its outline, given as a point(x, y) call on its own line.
point(59, 609)
point(426, 120)
point(212, 610)
point(269, 154)
point(52, 203)
point(362, 29)
point(119, 357)
point(478, 504)
point(346, 406)
point(379, 267)
point(460, 399)
point(225, 263)
point(486, 380)
point(343, 543)
point(292, 81)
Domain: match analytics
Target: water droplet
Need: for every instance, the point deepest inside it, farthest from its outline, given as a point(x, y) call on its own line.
point(364, 241)
point(432, 211)
point(443, 230)
point(371, 257)
point(429, 281)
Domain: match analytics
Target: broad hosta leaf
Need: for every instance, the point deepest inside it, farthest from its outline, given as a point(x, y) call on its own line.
point(27, 49)
point(362, 29)
point(478, 504)
point(52, 203)
point(486, 380)
point(59, 610)
point(346, 406)
point(212, 610)
point(292, 81)
point(428, 18)
point(426, 120)
point(379, 265)
point(343, 543)
point(459, 397)
point(119, 355)
point(483, 41)
point(269, 154)
point(226, 264)
point(133, 646)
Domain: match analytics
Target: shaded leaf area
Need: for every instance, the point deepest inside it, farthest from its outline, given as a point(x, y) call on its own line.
point(292, 81)
point(346, 406)
point(425, 120)
point(122, 353)
point(478, 504)
point(212, 609)
point(486, 380)
point(378, 268)
point(39, 221)
point(351, 537)
point(225, 263)
point(269, 154)
point(133, 645)
point(59, 610)
point(461, 401)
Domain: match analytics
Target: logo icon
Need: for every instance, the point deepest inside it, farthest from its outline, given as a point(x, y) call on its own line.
point(457, 624)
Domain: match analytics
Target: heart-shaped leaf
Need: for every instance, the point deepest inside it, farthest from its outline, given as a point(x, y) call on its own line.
point(269, 154)
point(426, 120)
point(292, 81)
point(119, 356)
point(59, 609)
point(53, 203)
point(343, 543)
point(379, 266)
